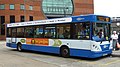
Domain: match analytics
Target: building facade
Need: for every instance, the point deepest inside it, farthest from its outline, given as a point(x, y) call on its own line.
point(115, 26)
point(12, 11)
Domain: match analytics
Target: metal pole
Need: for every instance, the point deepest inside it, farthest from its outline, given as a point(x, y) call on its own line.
point(64, 13)
point(0, 25)
point(65, 10)
point(24, 10)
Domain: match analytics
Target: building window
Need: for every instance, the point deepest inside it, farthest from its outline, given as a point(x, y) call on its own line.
point(31, 7)
point(12, 6)
point(2, 6)
point(2, 19)
point(30, 18)
point(22, 7)
point(62, 8)
point(22, 18)
point(12, 19)
point(2, 25)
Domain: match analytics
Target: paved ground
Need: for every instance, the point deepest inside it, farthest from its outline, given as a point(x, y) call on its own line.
point(12, 58)
point(9, 59)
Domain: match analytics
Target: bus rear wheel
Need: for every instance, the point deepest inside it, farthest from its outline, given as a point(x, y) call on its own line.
point(65, 52)
point(19, 47)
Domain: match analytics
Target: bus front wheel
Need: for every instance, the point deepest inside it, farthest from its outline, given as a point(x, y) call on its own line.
point(19, 47)
point(65, 52)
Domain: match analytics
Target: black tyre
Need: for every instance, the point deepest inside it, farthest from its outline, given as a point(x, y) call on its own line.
point(65, 52)
point(19, 47)
point(109, 55)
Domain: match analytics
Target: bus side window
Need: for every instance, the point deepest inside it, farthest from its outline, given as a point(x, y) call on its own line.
point(50, 32)
point(20, 32)
point(38, 33)
point(29, 32)
point(82, 31)
point(66, 34)
point(60, 32)
point(14, 31)
point(9, 32)
point(63, 31)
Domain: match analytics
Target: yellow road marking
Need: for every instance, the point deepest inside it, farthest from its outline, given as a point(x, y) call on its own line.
point(111, 62)
point(107, 63)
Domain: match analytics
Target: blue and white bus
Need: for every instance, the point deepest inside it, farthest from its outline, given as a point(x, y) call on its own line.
point(69, 36)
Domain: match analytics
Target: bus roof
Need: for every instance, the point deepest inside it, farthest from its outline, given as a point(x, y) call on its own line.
point(80, 18)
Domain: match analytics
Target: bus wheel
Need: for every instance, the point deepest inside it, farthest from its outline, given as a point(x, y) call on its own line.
point(110, 55)
point(19, 47)
point(65, 52)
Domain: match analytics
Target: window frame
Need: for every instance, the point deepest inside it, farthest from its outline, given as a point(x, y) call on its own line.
point(12, 6)
point(63, 35)
point(36, 34)
point(69, 26)
point(2, 6)
point(12, 18)
point(84, 36)
point(14, 34)
point(51, 37)
point(30, 18)
point(21, 35)
point(9, 32)
point(2, 25)
point(22, 18)
point(30, 7)
point(28, 34)
point(22, 7)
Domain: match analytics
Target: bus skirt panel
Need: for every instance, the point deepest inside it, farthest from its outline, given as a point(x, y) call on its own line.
point(56, 50)
point(12, 45)
point(48, 49)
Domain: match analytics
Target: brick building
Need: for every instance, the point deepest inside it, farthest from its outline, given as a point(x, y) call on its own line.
point(12, 11)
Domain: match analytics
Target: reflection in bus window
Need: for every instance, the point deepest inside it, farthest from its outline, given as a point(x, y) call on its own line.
point(38, 33)
point(20, 32)
point(50, 32)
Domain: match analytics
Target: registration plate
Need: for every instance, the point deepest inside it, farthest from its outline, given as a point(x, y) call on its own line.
point(105, 54)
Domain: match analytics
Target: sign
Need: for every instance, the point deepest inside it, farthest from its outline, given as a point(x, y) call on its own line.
point(103, 18)
point(40, 22)
point(37, 41)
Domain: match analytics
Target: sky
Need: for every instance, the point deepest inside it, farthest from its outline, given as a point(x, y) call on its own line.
point(107, 7)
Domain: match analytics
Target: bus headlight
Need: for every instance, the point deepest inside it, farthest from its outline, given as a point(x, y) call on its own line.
point(95, 47)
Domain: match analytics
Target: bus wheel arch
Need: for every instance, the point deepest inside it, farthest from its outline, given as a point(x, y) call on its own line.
point(19, 46)
point(64, 51)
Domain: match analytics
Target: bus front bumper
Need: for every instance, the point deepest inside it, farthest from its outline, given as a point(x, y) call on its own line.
point(100, 54)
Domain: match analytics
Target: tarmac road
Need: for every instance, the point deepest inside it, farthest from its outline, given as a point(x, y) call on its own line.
point(11, 58)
